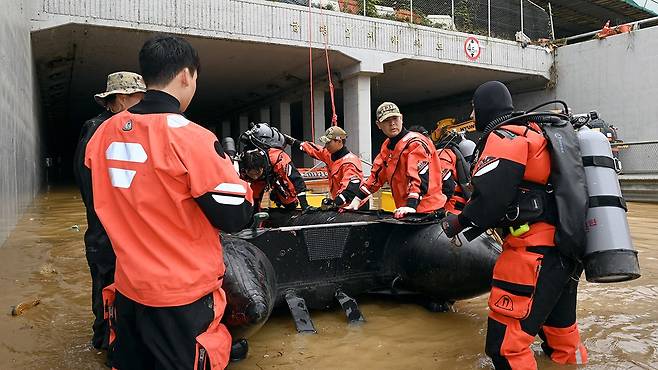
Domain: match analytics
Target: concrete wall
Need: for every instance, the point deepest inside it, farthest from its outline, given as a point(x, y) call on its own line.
point(19, 139)
point(617, 76)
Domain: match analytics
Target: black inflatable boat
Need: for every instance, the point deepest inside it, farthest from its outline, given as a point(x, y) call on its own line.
point(316, 260)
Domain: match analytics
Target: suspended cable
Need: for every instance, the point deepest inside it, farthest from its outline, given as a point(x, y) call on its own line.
point(310, 68)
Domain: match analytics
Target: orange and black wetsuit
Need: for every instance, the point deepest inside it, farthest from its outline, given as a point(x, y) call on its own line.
point(450, 177)
point(282, 177)
point(534, 286)
point(409, 163)
point(343, 167)
point(163, 188)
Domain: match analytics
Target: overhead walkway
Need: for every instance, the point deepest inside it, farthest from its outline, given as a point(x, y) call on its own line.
point(255, 60)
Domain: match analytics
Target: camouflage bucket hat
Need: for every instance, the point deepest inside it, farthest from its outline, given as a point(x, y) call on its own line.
point(386, 110)
point(333, 133)
point(121, 83)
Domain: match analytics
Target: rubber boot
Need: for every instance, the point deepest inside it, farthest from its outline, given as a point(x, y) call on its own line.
point(239, 350)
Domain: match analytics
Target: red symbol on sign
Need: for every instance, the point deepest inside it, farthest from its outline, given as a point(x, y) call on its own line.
point(505, 302)
point(472, 48)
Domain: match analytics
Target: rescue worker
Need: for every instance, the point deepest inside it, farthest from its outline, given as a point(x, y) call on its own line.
point(124, 89)
point(344, 168)
point(534, 286)
point(409, 163)
point(162, 188)
point(273, 169)
point(452, 188)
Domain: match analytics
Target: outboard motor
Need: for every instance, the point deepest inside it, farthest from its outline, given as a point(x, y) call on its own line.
point(609, 255)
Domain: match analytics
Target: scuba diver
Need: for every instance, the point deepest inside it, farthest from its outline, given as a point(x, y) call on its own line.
point(344, 168)
point(455, 172)
point(534, 284)
point(455, 168)
point(409, 163)
point(272, 168)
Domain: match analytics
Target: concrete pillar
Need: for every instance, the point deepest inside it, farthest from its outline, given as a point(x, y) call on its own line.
point(284, 120)
point(358, 122)
point(318, 120)
point(226, 129)
point(265, 114)
point(306, 128)
point(318, 113)
point(318, 117)
point(244, 123)
point(275, 115)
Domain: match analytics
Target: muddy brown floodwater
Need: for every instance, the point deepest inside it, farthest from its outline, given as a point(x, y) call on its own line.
point(44, 258)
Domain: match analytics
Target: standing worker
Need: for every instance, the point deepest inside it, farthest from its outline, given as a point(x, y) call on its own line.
point(162, 187)
point(534, 286)
point(344, 168)
point(409, 163)
point(124, 89)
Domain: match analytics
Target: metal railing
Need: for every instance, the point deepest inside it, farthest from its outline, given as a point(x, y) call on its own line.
point(521, 20)
point(649, 4)
point(640, 157)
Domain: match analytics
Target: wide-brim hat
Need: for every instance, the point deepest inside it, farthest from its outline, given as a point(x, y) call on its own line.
point(121, 83)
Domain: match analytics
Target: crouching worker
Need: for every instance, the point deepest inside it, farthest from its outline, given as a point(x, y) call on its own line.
point(273, 170)
point(344, 168)
point(409, 163)
point(163, 188)
point(534, 286)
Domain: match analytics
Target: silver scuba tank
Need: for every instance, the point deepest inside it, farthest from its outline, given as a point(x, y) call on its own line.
point(266, 135)
point(466, 147)
point(229, 147)
point(609, 255)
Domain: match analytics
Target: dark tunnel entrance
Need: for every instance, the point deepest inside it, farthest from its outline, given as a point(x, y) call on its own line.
point(236, 79)
point(239, 81)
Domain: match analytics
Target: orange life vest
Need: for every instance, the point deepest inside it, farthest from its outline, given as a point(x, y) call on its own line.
point(340, 171)
point(145, 178)
point(456, 202)
point(520, 146)
point(412, 168)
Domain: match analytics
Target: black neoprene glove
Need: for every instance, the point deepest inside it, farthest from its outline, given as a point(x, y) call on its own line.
point(451, 225)
point(303, 203)
point(292, 141)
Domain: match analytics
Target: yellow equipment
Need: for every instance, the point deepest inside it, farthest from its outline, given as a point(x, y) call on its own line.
point(450, 125)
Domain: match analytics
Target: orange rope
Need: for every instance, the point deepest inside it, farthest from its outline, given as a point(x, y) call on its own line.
point(334, 116)
point(310, 69)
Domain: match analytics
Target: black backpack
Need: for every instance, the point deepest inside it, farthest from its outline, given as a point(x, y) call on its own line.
point(567, 179)
point(569, 185)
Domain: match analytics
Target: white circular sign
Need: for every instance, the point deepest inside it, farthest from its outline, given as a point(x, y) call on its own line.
point(472, 48)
